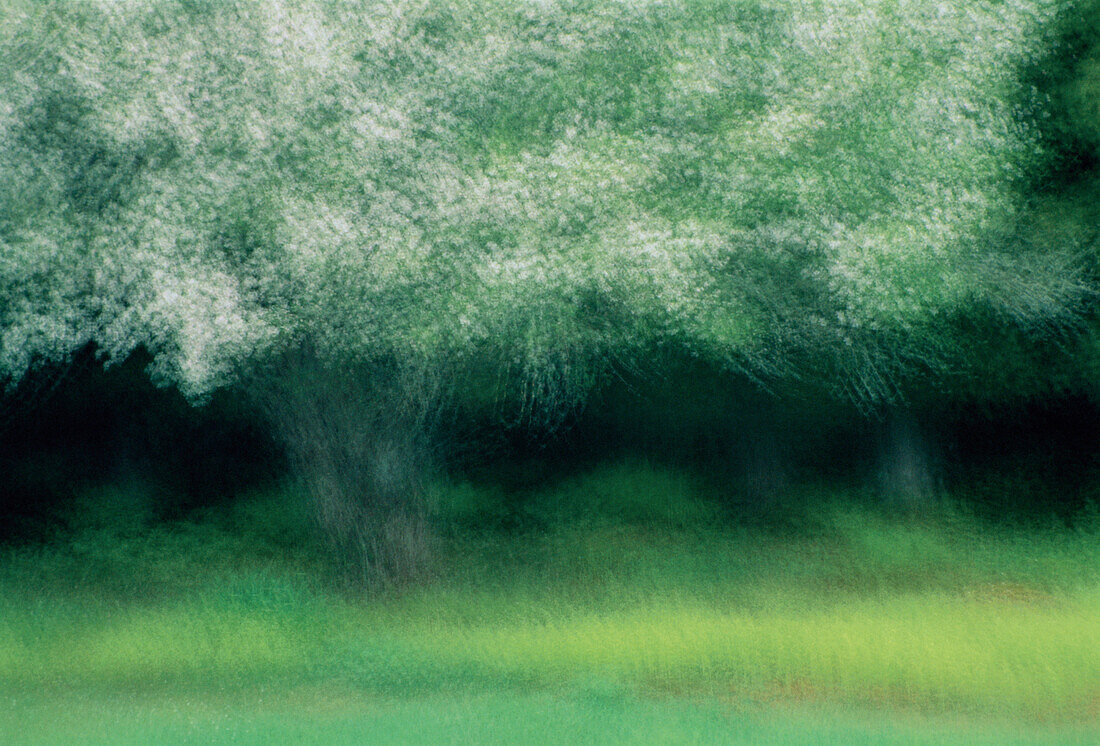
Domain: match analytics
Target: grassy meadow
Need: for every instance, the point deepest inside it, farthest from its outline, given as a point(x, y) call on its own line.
point(624, 605)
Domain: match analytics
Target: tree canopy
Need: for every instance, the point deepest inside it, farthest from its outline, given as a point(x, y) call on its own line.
point(830, 189)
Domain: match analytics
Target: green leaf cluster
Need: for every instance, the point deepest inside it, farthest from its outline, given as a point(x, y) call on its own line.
point(825, 191)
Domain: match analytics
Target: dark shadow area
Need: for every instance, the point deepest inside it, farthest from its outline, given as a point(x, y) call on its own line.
point(114, 427)
point(759, 452)
point(1030, 458)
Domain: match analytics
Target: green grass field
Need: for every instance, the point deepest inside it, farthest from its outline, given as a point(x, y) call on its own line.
point(578, 717)
point(620, 607)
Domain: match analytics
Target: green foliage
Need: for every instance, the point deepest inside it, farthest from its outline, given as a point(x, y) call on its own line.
point(627, 492)
point(465, 506)
point(786, 188)
point(117, 509)
point(276, 517)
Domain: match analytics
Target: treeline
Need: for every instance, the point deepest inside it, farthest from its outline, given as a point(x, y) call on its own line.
point(387, 241)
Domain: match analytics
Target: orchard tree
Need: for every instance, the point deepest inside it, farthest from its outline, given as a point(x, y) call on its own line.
point(363, 209)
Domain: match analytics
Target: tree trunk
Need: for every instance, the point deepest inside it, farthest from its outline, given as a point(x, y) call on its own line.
point(907, 466)
point(358, 441)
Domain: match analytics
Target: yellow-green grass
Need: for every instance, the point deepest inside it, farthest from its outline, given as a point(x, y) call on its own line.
point(940, 615)
point(577, 717)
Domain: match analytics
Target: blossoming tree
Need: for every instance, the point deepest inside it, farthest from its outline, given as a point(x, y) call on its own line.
point(424, 191)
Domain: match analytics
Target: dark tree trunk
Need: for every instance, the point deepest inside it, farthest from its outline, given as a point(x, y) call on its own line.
point(907, 464)
point(358, 440)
